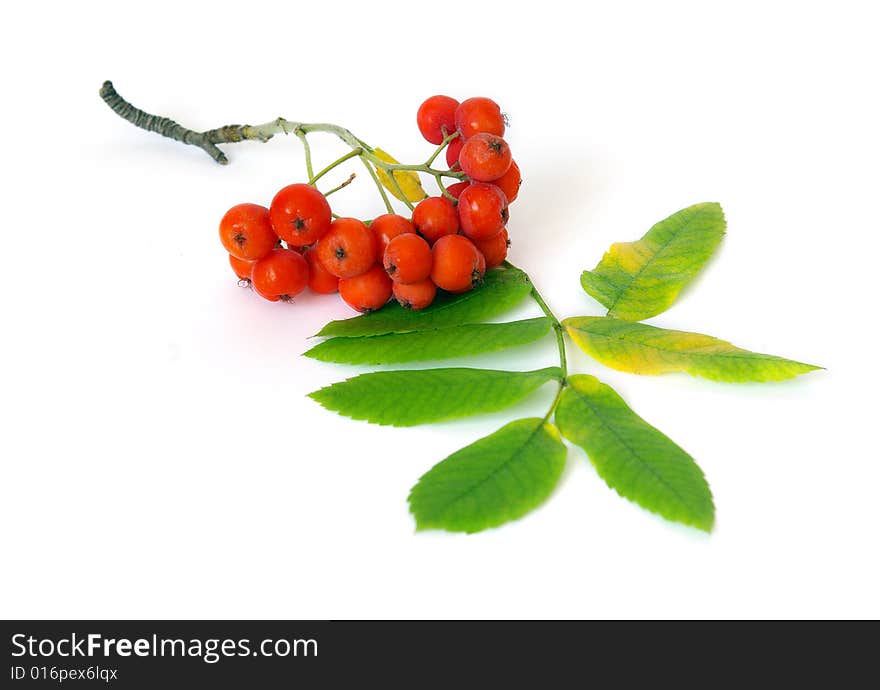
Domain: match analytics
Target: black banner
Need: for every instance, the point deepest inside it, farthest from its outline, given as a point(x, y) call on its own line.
point(171, 654)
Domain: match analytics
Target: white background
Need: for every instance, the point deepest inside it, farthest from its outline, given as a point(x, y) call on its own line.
point(159, 456)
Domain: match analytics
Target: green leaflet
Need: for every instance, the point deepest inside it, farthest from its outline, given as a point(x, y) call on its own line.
point(407, 398)
point(642, 349)
point(502, 289)
point(444, 343)
point(492, 481)
point(637, 280)
point(633, 457)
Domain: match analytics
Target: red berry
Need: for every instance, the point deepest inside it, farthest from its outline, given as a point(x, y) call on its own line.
point(457, 188)
point(477, 115)
point(494, 249)
point(435, 217)
point(241, 267)
point(485, 157)
point(367, 292)
point(415, 296)
point(320, 279)
point(300, 215)
point(510, 182)
point(408, 259)
point(348, 249)
point(281, 274)
point(482, 208)
point(246, 232)
point(385, 228)
point(458, 264)
point(453, 150)
point(436, 114)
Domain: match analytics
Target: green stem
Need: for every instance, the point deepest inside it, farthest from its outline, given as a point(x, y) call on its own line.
point(443, 145)
point(379, 186)
point(560, 343)
point(339, 161)
point(443, 190)
point(308, 152)
point(400, 193)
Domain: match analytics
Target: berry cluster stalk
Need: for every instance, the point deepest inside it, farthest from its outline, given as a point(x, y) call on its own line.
point(229, 134)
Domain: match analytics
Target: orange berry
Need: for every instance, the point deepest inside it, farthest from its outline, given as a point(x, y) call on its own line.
point(300, 215)
point(368, 291)
point(246, 232)
point(385, 228)
point(457, 188)
point(435, 217)
point(458, 264)
point(348, 249)
point(510, 182)
point(241, 267)
point(320, 279)
point(485, 157)
point(482, 210)
point(415, 295)
point(494, 249)
point(408, 259)
point(477, 115)
point(281, 274)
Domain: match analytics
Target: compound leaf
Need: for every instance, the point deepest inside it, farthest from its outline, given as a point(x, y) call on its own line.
point(637, 280)
point(501, 290)
point(634, 458)
point(407, 398)
point(494, 480)
point(443, 343)
point(641, 349)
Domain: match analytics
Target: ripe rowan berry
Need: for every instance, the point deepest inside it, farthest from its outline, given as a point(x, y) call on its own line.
point(485, 157)
point(320, 279)
point(300, 215)
point(510, 182)
point(415, 296)
point(494, 249)
point(476, 115)
point(457, 188)
point(458, 264)
point(348, 249)
point(482, 209)
point(408, 259)
point(436, 114)
point(453, 150)
point(385, 228)
point(281, 274)
point(241, 267)
point(368, 291)
point(435, 217)
point(246, 232)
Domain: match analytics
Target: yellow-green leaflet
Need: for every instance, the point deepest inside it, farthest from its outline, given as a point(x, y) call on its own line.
point(407, 180)
point(637, 280)
point(641, 349)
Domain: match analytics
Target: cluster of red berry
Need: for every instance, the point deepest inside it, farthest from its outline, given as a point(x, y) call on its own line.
point(449, 243)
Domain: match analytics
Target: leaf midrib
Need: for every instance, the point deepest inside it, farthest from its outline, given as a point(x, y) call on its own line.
point(650, 469)
point(516, 454)
point(739, 353)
